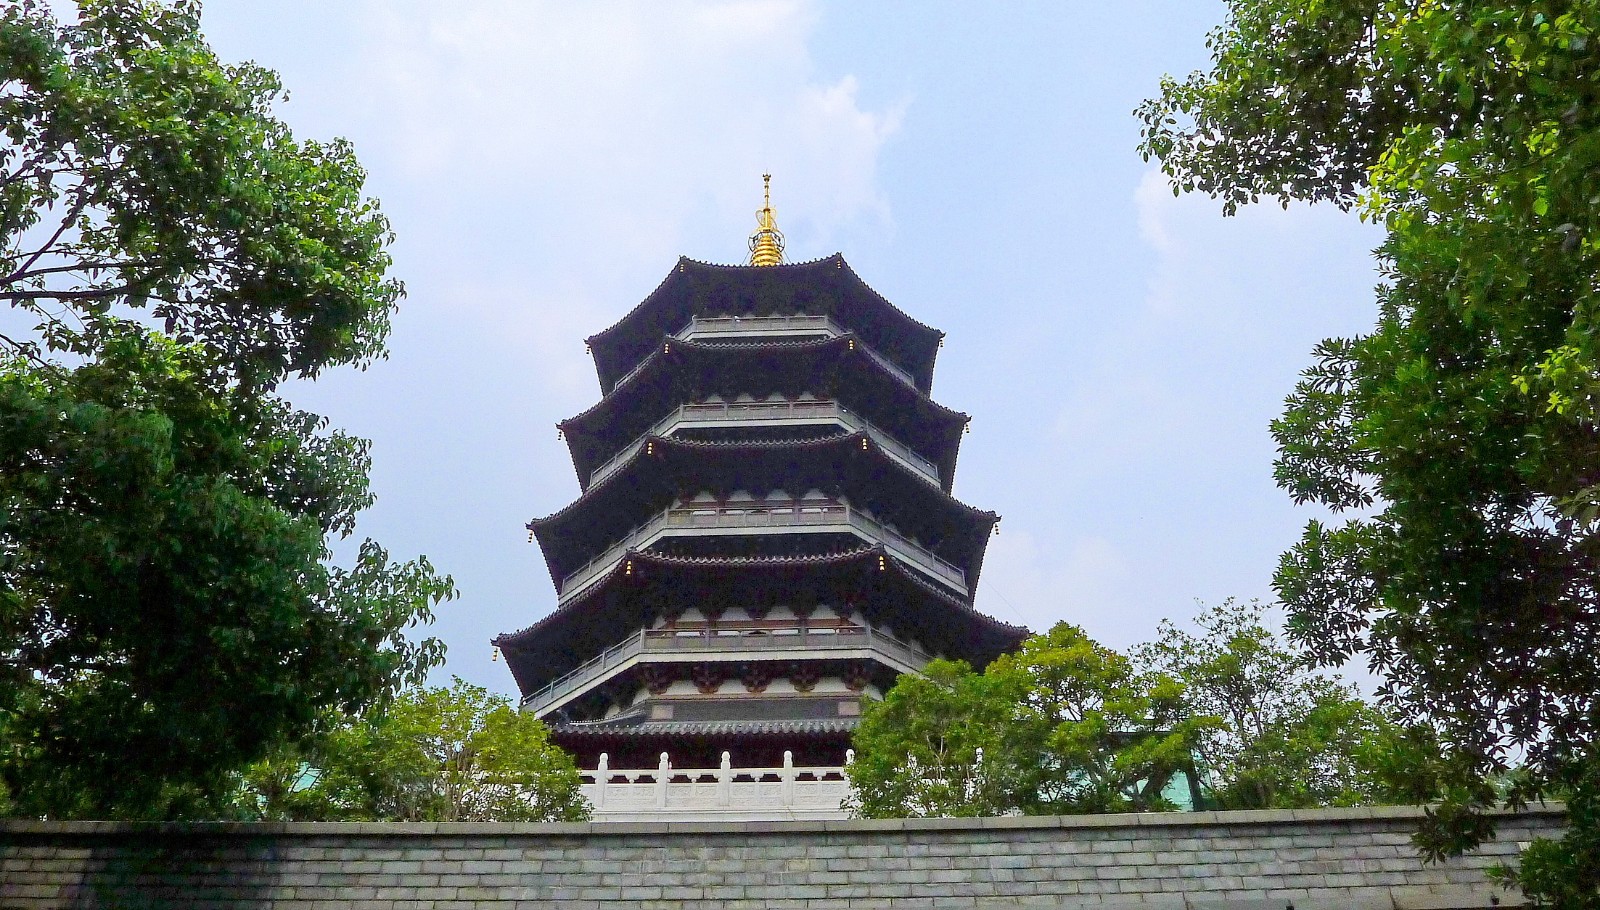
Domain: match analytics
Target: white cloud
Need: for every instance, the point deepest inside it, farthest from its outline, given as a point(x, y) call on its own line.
point(592, 143)
point(630, 117)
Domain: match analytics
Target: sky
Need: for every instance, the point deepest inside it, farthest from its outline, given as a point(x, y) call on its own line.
point(1122, 351)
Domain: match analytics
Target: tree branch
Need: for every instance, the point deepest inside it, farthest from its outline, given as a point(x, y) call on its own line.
point(77, 209)
point(106, 265)
point(17, 174)
point(26, 349)
point(95, 294)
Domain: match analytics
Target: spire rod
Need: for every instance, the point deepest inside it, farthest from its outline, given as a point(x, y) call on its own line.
point(766, 244)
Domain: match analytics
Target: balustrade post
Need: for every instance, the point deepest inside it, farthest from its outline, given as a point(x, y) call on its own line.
point(725, 781)
point(602, 776)
point(787, 775)
point(663, 771)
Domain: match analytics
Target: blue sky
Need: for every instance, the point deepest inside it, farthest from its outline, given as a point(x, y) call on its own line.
point(1121, 351)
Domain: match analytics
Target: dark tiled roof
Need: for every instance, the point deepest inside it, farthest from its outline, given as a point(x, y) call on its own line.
point(774, 346)
point(838, 558)
point(684, 261)
point(706, 727)
point(842, 440)
point(843, 556)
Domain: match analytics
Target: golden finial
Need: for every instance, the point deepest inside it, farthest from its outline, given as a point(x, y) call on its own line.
point(766, 244)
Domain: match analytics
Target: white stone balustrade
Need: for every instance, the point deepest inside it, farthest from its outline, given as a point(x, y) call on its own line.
point(822, 516)
point(758, 327)
point(839, 643)
point(768, 413)
point(716, 794)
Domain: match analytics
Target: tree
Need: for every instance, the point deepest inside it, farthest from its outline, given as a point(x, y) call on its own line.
point(1288, 737)
point(935, 746)
point(1063, 726)
point(168, 612)
point(436, 754)
point(1462, 432)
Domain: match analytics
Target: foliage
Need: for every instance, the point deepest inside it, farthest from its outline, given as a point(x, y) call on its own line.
point(1462, 432)
point(1288, 737)
point(933, 746)
point(436, 754)
point(167, 611)
point(138, 171)
point(1558, 873)
point(1063, 726)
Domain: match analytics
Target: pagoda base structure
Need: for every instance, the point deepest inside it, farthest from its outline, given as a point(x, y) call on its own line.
point(766, 539)
point(721, 793)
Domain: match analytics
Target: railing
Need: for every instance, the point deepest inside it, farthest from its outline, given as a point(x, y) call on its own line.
point(671, 640)
point(715, 326)
point(737, 326)
point(725, 793)
point(740, 412)
point(759, 514)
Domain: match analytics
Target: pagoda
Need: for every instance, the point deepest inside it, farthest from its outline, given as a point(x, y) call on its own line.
point(766, 536)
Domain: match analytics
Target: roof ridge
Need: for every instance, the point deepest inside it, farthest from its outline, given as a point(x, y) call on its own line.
point(677, 268)
point(746, 265)
point(651, 437)
point(877, 451)
point(886, 302)
point(844, 265)
point(762, 561)
point(611, 726)
point(671, 559)
point(660, 351)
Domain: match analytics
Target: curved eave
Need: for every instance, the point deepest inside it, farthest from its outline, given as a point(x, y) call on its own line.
point(904, 339)
point(610, 609)
point(648, 483)
point(633, 407)
point(635, 730)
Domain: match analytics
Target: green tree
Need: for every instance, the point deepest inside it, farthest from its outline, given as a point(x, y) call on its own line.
point(1289, 737)
point(435, 754)
point(170, 254)
point(1461, 432)
point(1064, 726)
point(935, 747)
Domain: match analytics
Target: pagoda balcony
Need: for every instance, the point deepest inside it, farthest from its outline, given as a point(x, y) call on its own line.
point(728, 328)
point(676, 646)
point(712, 327)
point(707, 328)
point(769, 414)
point(800, 516)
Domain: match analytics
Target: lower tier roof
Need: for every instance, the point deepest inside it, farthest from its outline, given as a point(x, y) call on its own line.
point(666, 470)
point(637, 728)
point(645, 585)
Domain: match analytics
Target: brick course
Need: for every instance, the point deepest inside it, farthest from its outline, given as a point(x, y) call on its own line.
point(1349, 859)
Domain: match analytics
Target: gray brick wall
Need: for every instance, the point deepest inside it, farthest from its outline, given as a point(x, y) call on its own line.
point(1349, 859)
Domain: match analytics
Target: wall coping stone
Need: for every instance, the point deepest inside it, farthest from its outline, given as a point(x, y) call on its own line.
point(27, 827)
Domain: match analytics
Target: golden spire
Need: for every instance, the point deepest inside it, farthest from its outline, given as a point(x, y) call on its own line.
point(766, 244)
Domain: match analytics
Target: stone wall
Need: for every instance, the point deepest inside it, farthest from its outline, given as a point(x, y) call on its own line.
point(1350, 859)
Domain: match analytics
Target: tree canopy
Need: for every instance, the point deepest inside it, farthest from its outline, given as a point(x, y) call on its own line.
point(1065, 725)
point(435, 754)
point(170, 253)
point(1459, 438)
point(1287, 737)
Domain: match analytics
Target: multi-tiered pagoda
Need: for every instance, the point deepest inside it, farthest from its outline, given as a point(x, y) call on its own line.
point(766, 535)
